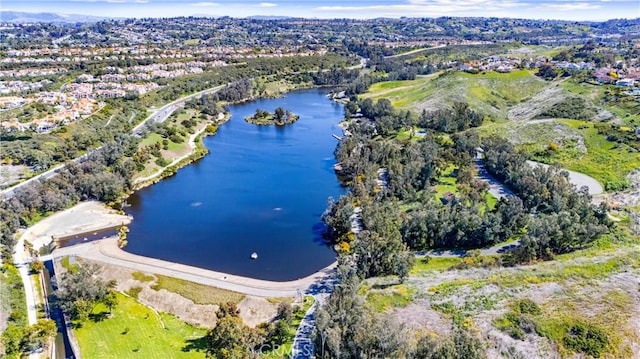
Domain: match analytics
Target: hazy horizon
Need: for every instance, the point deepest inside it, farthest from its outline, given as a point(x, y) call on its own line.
point(585, 10)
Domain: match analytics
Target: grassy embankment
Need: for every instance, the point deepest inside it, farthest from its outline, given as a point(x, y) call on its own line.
point(491, 93)
point(609, 98)
point(589, 287)
point(12, 292)
point(135, 331)
point(198, 293)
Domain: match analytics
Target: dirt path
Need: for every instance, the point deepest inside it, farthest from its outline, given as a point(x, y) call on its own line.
point(415, 51)
point(192, 146)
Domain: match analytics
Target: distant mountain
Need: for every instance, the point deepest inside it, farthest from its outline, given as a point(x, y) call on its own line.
point(23, 17)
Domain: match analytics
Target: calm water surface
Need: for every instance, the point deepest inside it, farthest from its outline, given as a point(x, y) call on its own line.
point(261, 189)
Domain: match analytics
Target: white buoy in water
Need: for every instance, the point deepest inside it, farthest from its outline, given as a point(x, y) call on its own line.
point(254, 255)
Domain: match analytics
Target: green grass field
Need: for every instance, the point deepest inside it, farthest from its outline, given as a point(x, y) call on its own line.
point(394, 296)
point(134, 331)
point(154, 138)
point(435, 264)
point(605, 161)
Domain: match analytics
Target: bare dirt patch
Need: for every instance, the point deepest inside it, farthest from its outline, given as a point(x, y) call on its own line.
point(548, 97)
point(84, 217)
point(420, 316)
point(256, 310)
point(202, 315)
point(11, 174)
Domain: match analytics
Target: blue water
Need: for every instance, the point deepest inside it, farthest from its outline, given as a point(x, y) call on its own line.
point(260, 189)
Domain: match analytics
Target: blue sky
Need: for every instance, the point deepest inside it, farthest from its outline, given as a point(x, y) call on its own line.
point(535, 9)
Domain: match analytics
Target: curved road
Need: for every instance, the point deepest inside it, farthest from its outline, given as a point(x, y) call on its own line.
point(496, 188)
point(107, 251)
point(578, 179)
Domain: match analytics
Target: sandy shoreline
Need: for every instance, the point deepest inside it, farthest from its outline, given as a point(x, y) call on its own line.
point(82, 218)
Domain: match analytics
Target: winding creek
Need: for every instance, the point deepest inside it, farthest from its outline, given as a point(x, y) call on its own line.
point(261, 189)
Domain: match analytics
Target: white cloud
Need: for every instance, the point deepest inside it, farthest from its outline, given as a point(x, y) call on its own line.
point(267, 4)
point(204, 4)
point(571, 6)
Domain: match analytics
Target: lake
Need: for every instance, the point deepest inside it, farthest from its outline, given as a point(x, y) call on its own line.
point(260, 189)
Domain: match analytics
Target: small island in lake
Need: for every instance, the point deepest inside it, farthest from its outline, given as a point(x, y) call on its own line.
point(279, 117)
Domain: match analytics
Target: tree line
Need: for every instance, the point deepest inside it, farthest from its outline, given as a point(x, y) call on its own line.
point(104, 176)
point(562, 220)
point(547, 210)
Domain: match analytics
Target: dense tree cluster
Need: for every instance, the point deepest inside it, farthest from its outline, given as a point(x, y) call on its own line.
point(105, 175)
point(231, 338)
point(400, 69)
point(460, 225)
point(17, 339)
point(207, 104)
point(564, 219)
point(547, 72)
point(334, 76)
point(235, 91)
point(80, 290)
point(385, 173)
point(458, 118)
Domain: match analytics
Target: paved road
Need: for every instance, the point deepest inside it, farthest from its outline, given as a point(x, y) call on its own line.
point(107, 251)
point(165, 111)
point(22, 259)
point(8, 192)
point(496, 188)
point(578, 179)
point(303, 346)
